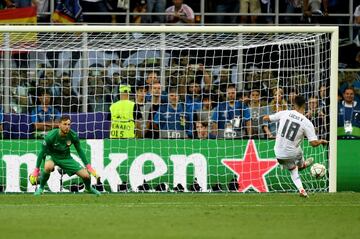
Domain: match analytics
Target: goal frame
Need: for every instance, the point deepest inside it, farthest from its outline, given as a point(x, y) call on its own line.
point(334, 43)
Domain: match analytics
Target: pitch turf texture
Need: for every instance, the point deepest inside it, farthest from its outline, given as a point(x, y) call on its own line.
point(180, 216)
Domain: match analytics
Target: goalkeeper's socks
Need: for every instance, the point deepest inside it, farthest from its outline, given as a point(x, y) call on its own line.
point(87, 183)
point(90, 189)
point(44, 178)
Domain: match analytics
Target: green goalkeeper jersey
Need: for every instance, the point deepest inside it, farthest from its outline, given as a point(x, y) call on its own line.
point(58, 147)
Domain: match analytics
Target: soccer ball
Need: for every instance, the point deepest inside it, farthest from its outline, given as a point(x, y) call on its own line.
point(318, 170)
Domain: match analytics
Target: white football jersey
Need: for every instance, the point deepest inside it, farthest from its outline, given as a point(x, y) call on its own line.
point(292, 128)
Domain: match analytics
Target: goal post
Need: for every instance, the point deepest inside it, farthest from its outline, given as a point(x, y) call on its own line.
point(300, 58)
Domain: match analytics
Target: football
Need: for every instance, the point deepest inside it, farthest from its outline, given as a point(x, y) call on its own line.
point(318, 170)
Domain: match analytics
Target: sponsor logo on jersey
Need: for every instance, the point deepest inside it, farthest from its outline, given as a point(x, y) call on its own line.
point(68, 143)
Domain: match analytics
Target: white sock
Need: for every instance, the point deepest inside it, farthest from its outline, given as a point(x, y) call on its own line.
point(296, 178)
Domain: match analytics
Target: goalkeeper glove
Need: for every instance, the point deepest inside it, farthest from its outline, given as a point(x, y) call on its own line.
point(91, 171)
point(33, 178)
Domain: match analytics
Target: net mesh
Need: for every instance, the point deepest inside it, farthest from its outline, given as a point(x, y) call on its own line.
point(199, 102)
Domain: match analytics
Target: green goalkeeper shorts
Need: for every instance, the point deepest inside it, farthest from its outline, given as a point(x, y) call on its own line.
point(69, 165)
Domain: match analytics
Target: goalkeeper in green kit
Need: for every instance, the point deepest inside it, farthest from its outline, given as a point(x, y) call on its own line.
point(57, 145)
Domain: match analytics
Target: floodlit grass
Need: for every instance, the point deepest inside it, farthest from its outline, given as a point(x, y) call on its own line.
point(180, 216)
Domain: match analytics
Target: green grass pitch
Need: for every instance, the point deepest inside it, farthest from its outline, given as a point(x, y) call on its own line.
point(151, 215)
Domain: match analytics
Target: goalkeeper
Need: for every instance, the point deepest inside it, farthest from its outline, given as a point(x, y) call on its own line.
point(57, 145)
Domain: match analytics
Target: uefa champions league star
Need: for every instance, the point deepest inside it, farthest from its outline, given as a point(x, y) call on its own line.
point(57, 145)
point(293, 126)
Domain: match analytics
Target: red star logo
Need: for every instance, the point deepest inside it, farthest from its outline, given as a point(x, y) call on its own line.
point(251, 171)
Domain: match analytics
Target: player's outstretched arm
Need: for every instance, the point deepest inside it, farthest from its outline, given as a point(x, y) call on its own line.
point(35, 174)
point(318, 142)
point(84, 160)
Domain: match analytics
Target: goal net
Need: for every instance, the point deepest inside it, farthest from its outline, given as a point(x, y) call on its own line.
point(200, 94)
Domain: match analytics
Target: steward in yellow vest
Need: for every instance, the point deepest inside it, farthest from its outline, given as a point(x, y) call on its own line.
point(122, 116)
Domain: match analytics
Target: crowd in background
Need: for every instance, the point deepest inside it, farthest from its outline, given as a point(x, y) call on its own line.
point(194, 98)
point(197, 101)
point(187, 11)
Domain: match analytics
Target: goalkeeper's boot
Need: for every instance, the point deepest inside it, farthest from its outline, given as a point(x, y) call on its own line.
point(303, 193)
point(39, 191)
point(307, 163)
point(93, 191)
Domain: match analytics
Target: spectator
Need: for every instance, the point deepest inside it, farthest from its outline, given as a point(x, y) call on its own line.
point(203, 76)
point(156, 6)
point(291, 98)
point(128, 76)
point(223, 80)
point(350, 79)
point(312, 8)
point(231, 116)
point(252, 79)
point(202, 130)
point(140, 8)
point(267, 7)
point(4, 4)
point(293, 6)
point(140, 109)
point(66, 61)
point(152, 78)
point(357, 25)
point(206, 78)
point(99, 97)
point(257, 112)
point(252, 7)
point(179, 13)
point(316, 116)
point(20, 100)
point(226, 6)
point(53, 83)
point(44, 116)
point(44, 84)
point(68, 101)
point(192, 102)
point(278, 103)
point(119, 6)
point(124, 116)
point(115, 84)
point(349, 115)
point(98, 6)
point(171, 117)
point(205, 111)
point(43, 8)
point(151, 108)
point(193, 96)
point(178, 79)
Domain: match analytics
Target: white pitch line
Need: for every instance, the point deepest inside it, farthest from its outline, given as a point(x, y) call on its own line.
point(142, 204)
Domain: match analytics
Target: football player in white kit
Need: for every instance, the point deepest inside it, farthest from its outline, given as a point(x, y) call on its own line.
point(293, 126)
